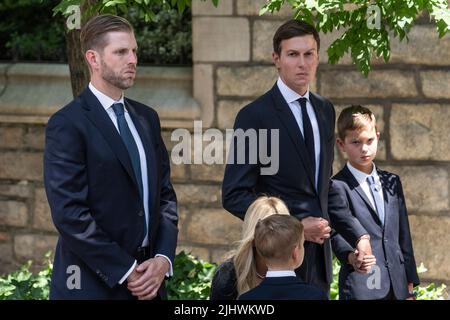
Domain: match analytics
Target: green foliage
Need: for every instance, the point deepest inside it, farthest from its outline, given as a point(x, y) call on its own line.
point(164, 40)
point(192, 278)
point(24, 285)
point(362, 37)
point(30, 31)
point(145, 8)
point(431, 291)
point(428, 292)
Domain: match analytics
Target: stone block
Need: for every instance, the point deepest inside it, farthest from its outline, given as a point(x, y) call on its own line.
point(214, 226)
point(418, 132)
point(220, 39)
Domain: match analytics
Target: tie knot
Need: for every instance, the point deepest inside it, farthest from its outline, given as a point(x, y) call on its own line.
point(302, 102)
point(118, 109)
point(374, 185)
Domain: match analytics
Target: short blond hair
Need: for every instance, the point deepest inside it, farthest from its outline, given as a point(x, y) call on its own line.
point(355, 117)
point(277, 236)
point(244, 256)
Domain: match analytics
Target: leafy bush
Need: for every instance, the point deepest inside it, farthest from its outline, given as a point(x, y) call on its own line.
point(192, 278)
point(29, 31)
point(428, 292)
point(23, 285)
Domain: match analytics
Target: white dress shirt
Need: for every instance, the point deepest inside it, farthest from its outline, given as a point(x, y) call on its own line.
point(291, 98)
point(107, 103)
point(280, 273)
point(361, 177)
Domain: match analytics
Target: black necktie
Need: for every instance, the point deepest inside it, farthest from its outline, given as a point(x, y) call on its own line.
point(128, 139)
point(308, 134)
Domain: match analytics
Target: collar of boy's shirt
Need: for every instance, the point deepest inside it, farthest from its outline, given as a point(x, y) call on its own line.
point(105, 101)
point(280, 273)
point(361, 177)
point(288, 94)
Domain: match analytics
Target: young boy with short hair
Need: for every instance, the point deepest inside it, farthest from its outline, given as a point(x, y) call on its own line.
point(279, 240)
point(366, 203)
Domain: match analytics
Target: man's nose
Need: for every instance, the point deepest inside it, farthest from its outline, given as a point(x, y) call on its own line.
point(301, 61)
point(132, 58)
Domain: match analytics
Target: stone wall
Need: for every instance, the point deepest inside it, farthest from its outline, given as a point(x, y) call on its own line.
point(232, 65)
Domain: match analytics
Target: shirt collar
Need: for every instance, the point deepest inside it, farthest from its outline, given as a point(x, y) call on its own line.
point(280, 273)
point(288, 94)
point(360, 176)
point(105, 101)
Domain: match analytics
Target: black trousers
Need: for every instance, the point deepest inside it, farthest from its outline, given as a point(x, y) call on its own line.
point(312, 270)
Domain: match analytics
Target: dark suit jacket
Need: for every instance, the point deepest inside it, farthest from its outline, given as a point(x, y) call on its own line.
point(294, 181)
point(224, 282)
point(283, 288)
point(94, 199)
point(351, 216)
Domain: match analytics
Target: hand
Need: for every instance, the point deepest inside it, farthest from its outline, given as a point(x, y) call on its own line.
point(133, 276)
point(316, 229)
point(152, 272)
point(411, 292)
point(364, 248)
point(365, 266)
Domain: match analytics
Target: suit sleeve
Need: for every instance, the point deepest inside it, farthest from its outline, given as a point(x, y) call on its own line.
point(405, 240)
point(342, 219)
point(66, 185)
point(166, 241)
point(238, 187)
point(341, 248)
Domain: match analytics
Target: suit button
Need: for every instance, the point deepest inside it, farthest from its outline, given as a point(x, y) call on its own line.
point(141, 213)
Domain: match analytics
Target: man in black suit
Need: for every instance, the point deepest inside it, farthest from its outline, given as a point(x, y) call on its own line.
point(305, 122)
point(107, 178)
point(279, 241)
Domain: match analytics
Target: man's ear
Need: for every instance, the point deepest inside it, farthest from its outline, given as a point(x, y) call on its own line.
point(276, 59)
point(378, 135)
point(93, 59)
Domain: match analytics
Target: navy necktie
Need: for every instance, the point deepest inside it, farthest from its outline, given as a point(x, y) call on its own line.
point(308, 134)
point(129, 142)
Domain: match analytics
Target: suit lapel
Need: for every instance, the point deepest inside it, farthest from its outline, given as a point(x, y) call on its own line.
point(149, 146)
point(95, 112)
point(288, 120)
point(387, 196)
point(354, 185)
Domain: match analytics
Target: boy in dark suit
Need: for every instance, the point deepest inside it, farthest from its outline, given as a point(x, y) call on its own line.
point(366, 203)
point(279, 240)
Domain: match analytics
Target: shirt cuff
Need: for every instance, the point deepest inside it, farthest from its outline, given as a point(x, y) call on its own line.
point(170, 272)
point(128, 273)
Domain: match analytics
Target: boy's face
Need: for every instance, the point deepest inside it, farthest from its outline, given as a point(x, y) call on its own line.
point(298, 254)
point(360, 147)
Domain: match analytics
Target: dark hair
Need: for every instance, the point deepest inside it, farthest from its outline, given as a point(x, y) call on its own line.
point(291, 29)
point(354, 117)
point(276, 236)
point(93, 34)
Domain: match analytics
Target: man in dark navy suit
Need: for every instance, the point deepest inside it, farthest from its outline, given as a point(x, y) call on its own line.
point(279, 241)
point(365, 201)
point(305, 125)
point(107, 179)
